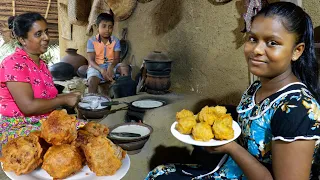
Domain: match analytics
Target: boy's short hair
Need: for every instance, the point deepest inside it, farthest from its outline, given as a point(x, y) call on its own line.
point(104, 17)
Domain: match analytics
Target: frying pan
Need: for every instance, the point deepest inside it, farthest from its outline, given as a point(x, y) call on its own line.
point(143, 109)
point(124, 45)
point(88, 113)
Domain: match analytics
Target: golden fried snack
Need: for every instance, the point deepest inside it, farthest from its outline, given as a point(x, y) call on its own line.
point(101, 156)
point(202, 132)
point(222, 128)
point(43, 143)
point(22, 155)
point(82, 138)
point(196, 116)
point(59, 128)
point(96, 129)
point(219, 110)
point(183, 113)
point(118, 151)
point(207, 115)
point(185, 125)
point(61, 161)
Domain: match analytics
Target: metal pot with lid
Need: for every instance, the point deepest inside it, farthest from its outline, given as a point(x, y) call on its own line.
point(158, 61)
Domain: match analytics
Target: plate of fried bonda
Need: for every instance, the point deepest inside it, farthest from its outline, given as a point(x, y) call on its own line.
point(212, 126)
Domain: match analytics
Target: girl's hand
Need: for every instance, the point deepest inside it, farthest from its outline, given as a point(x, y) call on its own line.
point(220, 149)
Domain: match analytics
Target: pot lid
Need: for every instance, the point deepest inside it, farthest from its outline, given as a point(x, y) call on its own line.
point(157, 56)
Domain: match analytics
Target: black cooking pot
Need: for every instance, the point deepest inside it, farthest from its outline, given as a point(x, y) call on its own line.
point(59, 87)
point(62, 71)
point(165, 72)
point(123, 87)
point(157, 61)
point(158, 66)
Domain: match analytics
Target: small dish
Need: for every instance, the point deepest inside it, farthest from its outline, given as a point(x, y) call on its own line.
point(132, 145)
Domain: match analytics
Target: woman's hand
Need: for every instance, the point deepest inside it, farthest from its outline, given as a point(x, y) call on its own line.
point(220, 149)
point(71, 99)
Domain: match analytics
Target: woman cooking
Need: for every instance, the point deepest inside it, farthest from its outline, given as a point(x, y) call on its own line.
point(27, 89)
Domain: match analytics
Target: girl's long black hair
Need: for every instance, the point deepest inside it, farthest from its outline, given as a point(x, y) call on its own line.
point(296, 21)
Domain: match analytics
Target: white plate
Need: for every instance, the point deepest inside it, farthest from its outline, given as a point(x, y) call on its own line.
point(189, 140)
point(84, 174)
point(147, 103)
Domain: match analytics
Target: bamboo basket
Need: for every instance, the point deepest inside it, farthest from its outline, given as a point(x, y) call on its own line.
point(122, 9)
point(144, 1)
point(66, 32)
point(78, 11)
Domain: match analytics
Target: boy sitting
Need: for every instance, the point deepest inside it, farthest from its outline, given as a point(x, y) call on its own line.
point(103, 54)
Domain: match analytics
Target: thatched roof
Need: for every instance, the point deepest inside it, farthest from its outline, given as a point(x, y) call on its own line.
point(9, 7)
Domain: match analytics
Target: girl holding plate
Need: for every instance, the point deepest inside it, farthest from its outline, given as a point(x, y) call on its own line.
point(279, 115)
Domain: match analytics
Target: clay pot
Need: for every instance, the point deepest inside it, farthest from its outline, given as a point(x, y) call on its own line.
point(158, 83)
point(75, 59)
point(82, 71)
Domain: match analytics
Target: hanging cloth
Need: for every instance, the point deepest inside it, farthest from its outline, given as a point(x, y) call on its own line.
point(253, 7)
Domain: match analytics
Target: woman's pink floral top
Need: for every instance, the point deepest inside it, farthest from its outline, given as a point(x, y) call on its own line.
point(20, 67)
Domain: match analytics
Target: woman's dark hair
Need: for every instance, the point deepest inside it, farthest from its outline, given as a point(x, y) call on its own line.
point(296, 21)
point(104, 17)
point(22, 24)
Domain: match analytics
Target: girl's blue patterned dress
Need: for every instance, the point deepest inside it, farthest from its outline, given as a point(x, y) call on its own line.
point(290, 114)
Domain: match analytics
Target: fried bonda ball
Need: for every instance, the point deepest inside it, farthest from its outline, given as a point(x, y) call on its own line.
point(43, 143)
point(183, 113)
point(96, 129)
point(219, 110)
point(222, 128)
point(185, 125)
point(59, 128)
point(102, 158)
point(202, 132)
point(61, 161)
point(82, 138)
point(22, 154)
point(207, 115)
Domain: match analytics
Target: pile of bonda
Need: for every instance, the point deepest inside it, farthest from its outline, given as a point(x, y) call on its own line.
point(210, 122)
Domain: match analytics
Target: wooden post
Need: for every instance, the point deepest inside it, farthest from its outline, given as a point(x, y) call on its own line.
point(48, 7)
point(13, 8)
